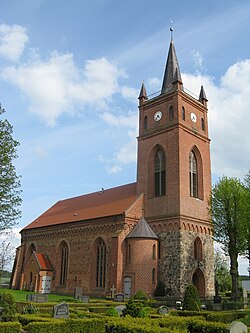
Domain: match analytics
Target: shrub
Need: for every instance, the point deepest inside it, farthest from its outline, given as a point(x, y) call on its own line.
point(160, 289)
point(207, 327)
point(7, 302)
point(10, 327)
point(140, 295)
point(30, 309)
point(191, 299)
point(134, 309)
point(112, 312)
point(67, 326)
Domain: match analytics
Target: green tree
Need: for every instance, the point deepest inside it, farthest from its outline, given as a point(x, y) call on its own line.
point(191, 300)
point(247, 187)
point(228, 211)
point(10, 199)
point(222, 273)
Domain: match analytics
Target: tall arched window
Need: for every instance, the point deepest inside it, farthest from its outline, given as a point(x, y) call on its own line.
point(100, 264)
point(129, 253)
point(159, 173)
point(202, 124)
point(198, 249)
point(183, 113)
point(193, 175)
point(64, 251)
point(171, 113)
point(153, 275)
point(146, 122)
point(154, 252)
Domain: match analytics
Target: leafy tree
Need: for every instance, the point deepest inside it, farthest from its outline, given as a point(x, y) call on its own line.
point(228, 211)
point(7, 254)
point(9, 181)
point(134, 309)
point(247, 187)
point(222, 273)
point(191, 300)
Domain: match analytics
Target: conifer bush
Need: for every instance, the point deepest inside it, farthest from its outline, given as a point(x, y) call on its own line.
point(7, 302)
point(191, 300)
point(160, 289)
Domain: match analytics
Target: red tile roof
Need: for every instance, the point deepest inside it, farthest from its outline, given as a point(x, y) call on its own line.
point(114, 201)
point(43, 262)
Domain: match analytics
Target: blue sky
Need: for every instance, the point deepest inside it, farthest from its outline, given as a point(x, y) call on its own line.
point(71, 71)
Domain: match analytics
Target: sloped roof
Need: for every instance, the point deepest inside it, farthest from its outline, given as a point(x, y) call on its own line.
point(142, 230)
point(114, 201)
point(43, 261)
point(172, 70)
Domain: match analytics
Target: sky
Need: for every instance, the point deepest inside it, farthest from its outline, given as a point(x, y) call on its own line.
point(71, 72)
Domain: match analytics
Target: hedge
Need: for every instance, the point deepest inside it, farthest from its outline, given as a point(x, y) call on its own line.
point(10, 327)
point(222, 317)
point(67, 326)
point(132, 327)
point(207, 327)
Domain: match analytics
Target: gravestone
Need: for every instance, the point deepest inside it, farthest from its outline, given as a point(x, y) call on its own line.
point(84, 298)
point(245, 299)
point(119, 309)
point(78, 293)
point(163, 310)
point(237, 327)
point(37, 298)
point(119, 298)
point(61, 310)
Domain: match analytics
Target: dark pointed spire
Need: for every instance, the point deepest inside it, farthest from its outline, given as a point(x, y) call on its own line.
point(143, 93)
point(142, 230)
point(172, 71)
point(202, 96)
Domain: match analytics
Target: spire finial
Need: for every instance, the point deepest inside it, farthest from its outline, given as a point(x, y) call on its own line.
point(171, 30)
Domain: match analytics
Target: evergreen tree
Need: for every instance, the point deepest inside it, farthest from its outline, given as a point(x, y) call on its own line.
point(10, 199)
point(191, 300)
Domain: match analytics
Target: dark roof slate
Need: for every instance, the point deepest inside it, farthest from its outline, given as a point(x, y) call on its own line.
point(142, 230)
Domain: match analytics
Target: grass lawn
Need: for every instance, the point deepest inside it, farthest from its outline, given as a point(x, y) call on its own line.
point(20, 295)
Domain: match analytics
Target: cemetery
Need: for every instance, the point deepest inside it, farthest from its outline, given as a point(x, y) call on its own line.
point(35, 313)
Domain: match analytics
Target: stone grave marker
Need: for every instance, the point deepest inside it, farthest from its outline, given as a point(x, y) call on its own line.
point(78, 293)
point(245, 299)
point(119, 298)
point(163, 310)
point(85, 298)
point(61, 310)
point(37, 298)
point(119, 309)
point(237, 327)
point(113, 292)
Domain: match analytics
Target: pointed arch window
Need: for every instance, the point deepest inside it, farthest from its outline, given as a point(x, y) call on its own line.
point(64, 251)
point(202, 124)
point(154, 252)
point(171, 113)
point(183, 112)
point(101, 264)
point(198, 249)
point(193, 175)
point(160, 173)
point(129, 253)
point(153, 275)
point(146, 122)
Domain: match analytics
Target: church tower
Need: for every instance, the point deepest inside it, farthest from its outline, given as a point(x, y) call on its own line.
point(173, 172)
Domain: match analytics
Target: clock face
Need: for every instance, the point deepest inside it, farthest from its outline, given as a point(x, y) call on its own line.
point(193, 117)
point(157, 116)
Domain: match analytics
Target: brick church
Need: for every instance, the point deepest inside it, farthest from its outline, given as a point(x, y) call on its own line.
point(132, 236)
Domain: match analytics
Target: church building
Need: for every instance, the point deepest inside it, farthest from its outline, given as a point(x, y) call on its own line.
point(130, 237)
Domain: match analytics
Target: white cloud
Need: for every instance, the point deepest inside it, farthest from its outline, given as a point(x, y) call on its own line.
point(228, 113)
point(12, 41)
point(130, 93)
point(154, 84)
point(198, 60)
point(127, 153)
point(53, 87)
